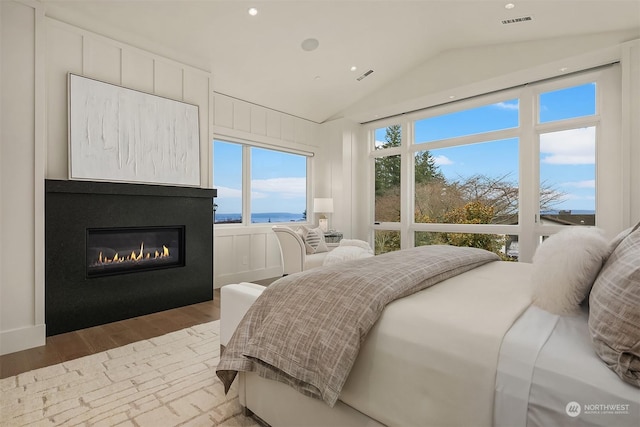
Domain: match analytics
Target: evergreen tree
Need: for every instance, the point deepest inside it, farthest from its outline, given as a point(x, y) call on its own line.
point(388, 168)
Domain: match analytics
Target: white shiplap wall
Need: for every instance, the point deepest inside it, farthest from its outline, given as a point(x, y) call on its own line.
point(73, 50)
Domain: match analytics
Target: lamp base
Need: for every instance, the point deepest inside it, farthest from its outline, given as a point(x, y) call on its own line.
point(324, 224)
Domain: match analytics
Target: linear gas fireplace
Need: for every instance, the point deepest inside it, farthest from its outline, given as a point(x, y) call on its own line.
point(133, 249)
point(115, 251)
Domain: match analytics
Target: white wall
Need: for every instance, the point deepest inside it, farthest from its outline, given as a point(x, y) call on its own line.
point(21, 177)
point(630, 129)
point(346, 143)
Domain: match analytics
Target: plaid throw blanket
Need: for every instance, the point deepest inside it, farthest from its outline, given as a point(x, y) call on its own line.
point(306, 328)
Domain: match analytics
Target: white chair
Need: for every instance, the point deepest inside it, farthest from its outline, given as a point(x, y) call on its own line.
point(293, 251)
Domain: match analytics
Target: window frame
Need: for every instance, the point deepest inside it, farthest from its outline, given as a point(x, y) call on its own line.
point(247, 145)
point(529, 229)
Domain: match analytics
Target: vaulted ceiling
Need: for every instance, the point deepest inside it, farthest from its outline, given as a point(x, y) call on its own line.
point(262, 58)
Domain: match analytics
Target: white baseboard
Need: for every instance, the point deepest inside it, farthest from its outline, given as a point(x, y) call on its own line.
point(22, 339)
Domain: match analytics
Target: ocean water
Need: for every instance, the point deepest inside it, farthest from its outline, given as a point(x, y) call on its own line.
point(260, 218)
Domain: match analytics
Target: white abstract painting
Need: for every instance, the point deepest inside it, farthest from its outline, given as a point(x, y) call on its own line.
point(123, 135)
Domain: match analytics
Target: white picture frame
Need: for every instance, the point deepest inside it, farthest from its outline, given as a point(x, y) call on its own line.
point(118, 134)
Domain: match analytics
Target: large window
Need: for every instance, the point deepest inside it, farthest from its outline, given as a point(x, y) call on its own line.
point(258, 184)
point(567, 141)
point(479, 172)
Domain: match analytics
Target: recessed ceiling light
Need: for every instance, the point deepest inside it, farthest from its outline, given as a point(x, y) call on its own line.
point(310, 44)
point(252, 11)
point(509, 6)
point(353, 68)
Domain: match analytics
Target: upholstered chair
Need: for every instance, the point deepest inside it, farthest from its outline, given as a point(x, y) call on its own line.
point(293, 251)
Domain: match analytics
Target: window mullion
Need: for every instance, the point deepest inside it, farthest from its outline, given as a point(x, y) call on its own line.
point(246, 185)
point(407, 187)
point(529, 191)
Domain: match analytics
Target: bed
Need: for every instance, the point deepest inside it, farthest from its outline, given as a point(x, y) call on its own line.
point(468, 349)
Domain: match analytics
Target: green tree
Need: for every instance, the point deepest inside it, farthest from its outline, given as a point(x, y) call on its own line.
point(388, 167)
point(388, 170)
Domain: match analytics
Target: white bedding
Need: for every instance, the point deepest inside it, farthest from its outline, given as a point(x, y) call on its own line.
point(431, 358)
point(547, 364)
point(347, 250)
point(446, 355)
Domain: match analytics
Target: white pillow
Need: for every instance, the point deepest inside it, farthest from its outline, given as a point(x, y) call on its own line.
point(358, 243)
point(313, 240)
point(565, 266)
point(346, 253)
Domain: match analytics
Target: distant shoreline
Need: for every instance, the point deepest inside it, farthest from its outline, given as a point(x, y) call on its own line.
point(260, 218)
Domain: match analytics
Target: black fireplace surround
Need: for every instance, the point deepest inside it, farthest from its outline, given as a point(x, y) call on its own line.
point(78, 297)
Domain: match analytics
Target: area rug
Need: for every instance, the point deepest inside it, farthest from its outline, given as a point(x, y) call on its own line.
point(164, 381)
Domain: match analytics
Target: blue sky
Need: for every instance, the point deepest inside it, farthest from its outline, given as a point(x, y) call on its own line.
point(278, 180)
point(567, 159)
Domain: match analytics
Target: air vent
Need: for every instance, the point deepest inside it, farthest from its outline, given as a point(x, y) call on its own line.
point(517, 20)
point(364, 75)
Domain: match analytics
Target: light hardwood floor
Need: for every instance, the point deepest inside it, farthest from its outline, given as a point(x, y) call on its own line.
point(72, 345)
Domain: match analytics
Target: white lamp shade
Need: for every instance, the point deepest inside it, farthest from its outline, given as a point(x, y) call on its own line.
point(323, 205)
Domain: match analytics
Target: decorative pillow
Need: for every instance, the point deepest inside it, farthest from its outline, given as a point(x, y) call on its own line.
point(614, 310)
point(620, 237)
point(313, 240)
point(564, 268)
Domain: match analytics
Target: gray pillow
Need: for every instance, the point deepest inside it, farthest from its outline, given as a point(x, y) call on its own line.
point(614, 310)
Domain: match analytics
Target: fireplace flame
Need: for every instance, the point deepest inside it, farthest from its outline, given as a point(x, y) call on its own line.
point(134, 257)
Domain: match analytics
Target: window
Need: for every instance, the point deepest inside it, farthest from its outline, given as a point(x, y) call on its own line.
point(448, 180)
point(567, 164)
point(278, 186)
point(227, 177)
point(386, 241)
point(387, 174)
point(472, 121)
point(496, 171)
point(387, 171)
point(271, 189)
point(568, 103)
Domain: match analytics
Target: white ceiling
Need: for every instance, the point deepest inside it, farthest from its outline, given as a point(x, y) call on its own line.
point(259, 58)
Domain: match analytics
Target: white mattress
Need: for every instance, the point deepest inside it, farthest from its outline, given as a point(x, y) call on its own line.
point(548, 370)
point(431, 358)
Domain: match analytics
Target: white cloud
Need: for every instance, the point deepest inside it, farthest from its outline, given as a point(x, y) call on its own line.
point(507, 106)
point(284, 187)
point(257, 195)
point(572, 196)
point(569, 147)
point(590, 183)
point(442, 160)
point(229, 193)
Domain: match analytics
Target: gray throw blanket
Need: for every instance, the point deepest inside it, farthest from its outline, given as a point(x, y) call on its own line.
point(306, 328)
